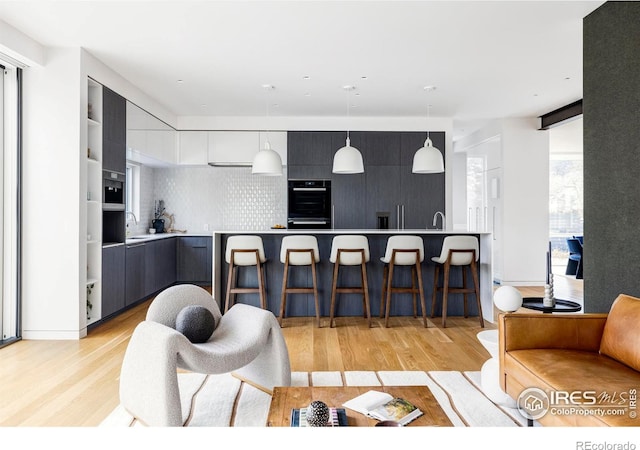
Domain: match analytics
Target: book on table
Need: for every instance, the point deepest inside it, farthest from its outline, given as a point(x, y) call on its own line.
point(382, 406)
point(337, 417)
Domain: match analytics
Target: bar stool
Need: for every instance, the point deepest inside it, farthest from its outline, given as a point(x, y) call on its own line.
point(457, 251)
point(350, 250)
point(244, 251)
point(403, 250)
point(299, 250)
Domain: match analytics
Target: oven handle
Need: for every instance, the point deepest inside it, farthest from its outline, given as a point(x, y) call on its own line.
point(309, 222)
point(319, 189)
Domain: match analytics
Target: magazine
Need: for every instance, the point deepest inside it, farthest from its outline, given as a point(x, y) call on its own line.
point(337, 417)
point(382, 406)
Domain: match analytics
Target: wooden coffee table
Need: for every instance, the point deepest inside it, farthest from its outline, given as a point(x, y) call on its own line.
point(284, 399)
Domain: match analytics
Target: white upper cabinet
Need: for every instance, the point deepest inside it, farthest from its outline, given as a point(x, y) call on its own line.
point(149, 140)
point(238, 148)
point(233, 148)
point(193, 148)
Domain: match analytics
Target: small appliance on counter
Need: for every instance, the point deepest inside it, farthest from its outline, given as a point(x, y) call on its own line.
point(383, 220)
point(309, 204)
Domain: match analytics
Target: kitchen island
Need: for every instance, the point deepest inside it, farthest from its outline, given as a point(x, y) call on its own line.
point(350, 304)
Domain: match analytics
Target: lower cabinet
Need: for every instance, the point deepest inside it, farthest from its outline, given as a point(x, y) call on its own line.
point(135, 271)
point(113, 273)
point(159, 265)
point(194, 259)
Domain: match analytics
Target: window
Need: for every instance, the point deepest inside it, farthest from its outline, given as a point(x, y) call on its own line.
point(132, 192)
point(566, 218)
point(10, 88)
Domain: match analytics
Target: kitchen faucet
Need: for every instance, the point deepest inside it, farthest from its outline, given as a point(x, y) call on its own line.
point(435, 219)
point(135, 221)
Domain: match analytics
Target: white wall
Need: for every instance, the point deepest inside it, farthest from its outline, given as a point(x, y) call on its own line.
point(525, 212)
point(52, 257)
point(523, 218)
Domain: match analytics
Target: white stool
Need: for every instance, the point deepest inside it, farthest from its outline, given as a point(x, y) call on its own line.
point(350, 250)
point(459, 251)
point(244, 251)
point(299, 250)
point(403, 251)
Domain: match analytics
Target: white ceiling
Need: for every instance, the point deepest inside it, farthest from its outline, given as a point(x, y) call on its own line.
point(487, 59)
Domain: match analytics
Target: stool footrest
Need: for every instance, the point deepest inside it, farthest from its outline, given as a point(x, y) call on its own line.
point(298, 290)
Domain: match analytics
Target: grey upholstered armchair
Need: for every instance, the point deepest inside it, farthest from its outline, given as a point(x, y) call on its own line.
point(247, 341)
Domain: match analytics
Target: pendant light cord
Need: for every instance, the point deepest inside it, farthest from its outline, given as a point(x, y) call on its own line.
point(348, 89)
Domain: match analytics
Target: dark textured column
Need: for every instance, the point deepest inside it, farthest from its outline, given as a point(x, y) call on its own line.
point(611, 106)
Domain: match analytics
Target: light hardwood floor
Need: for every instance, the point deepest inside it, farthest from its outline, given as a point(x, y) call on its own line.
point(75, 383)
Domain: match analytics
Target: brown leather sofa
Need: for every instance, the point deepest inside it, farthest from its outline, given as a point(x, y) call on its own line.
point(588, 365)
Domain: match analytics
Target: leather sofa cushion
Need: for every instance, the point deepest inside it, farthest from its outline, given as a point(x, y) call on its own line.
point(572, 371)
point(621, 335)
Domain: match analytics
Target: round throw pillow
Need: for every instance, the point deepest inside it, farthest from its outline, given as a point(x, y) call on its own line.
point(196, 323)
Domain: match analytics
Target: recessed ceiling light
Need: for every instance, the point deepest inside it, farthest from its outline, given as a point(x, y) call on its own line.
point(203, 106)
point(364, 77)
point(180, 81)
point(306, 94)
point(275, 105)
point(567, 78)
point(357, 94)
point(306, 77)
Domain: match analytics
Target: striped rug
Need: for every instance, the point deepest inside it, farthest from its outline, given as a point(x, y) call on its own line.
point(224, 400)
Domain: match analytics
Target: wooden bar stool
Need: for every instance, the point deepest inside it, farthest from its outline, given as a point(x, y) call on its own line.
point(299, 250)
point(350, 250)
point(403, 250)
point(459, 251)
point(244, 251)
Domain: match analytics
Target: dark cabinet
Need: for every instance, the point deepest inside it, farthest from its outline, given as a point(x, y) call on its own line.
point(160, 265)
point(114, 131)
point(194, 259)
point(113, 274)
point(135, 273)
point(310, 153)
point(348, 191)
point(420, 194)
point(383, 195)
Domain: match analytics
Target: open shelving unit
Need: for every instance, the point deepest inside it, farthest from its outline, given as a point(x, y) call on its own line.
point(94, 201)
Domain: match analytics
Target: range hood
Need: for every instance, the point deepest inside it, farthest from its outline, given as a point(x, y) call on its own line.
point(229, 164)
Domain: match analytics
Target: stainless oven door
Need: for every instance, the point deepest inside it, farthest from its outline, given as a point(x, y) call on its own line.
point(309, 200)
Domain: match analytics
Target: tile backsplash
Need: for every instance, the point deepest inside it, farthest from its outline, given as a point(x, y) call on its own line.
point(220, 198)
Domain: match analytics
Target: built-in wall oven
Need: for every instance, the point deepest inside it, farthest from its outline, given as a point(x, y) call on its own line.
point(113, 191)
point(309, 203)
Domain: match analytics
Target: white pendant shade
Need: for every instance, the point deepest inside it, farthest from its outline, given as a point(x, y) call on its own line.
point(428, 159)
point(267, 162)
point(348, 159)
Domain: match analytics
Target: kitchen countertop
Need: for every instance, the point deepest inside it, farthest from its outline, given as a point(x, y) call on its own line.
point(153, 237)
point(350, 231)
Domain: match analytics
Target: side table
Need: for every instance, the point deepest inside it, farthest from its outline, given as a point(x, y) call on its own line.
point(560, 306)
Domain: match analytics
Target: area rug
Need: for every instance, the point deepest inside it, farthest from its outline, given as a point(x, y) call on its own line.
point(224, 400)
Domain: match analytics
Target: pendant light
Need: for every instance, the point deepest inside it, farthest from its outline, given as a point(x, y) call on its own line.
point(267, 161)
point(428, 159)
point(348, 159)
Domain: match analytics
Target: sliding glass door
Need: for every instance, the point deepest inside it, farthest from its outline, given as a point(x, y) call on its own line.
point(9, 204)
